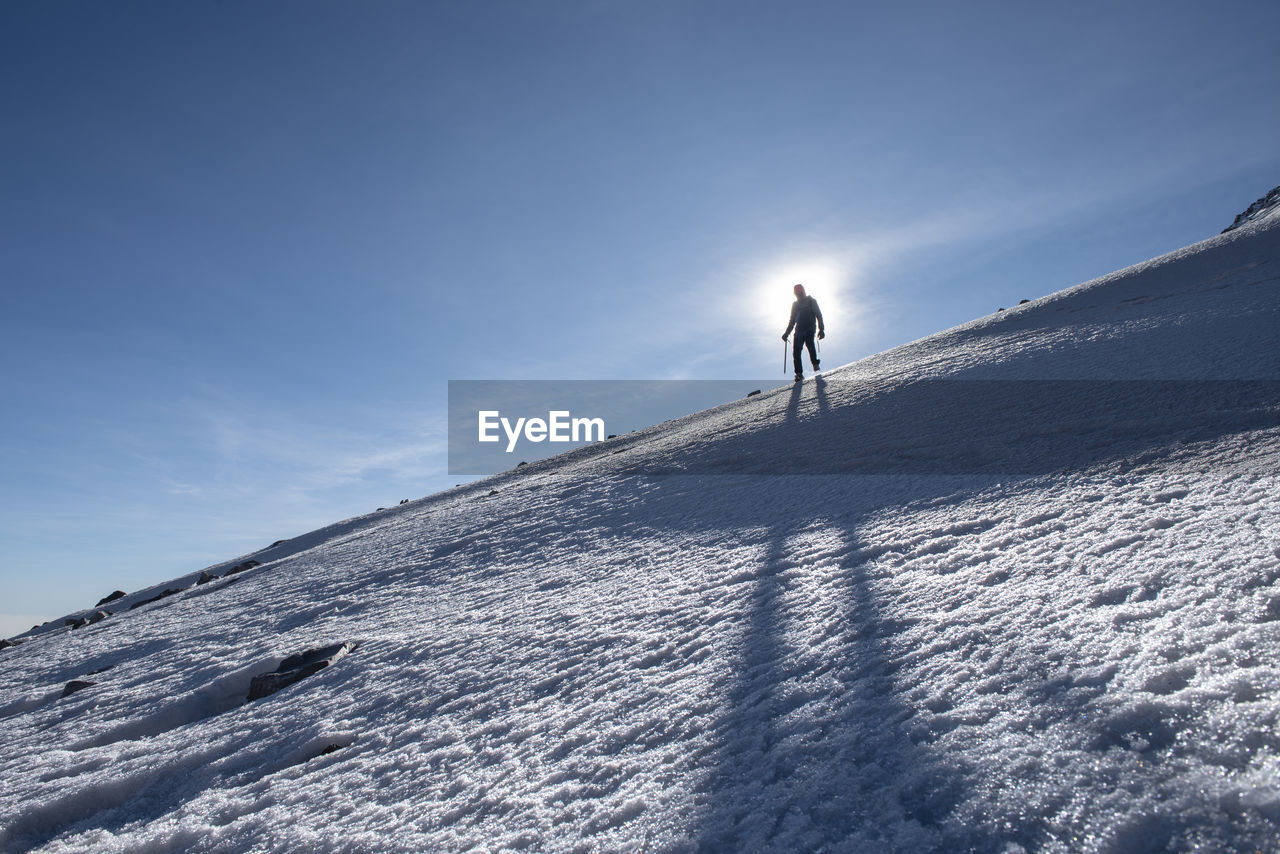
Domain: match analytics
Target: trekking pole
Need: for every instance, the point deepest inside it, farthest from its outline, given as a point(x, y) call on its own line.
point(784, 356)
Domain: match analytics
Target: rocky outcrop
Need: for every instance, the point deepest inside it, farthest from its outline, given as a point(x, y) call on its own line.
point(1257, 210)
point(241, 567)
point(296, 668)
point(87, 620)
point(76, 685)
point(168, 591)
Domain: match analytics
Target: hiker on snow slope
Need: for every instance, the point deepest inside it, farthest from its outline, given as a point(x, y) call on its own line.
point(804, 315)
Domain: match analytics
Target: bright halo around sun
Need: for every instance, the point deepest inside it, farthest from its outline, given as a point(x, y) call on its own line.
point(825, 281)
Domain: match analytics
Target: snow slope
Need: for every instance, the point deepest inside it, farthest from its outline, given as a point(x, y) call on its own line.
point(1012, 587)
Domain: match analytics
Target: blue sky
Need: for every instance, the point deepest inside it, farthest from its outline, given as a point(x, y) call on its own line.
point(246, 245)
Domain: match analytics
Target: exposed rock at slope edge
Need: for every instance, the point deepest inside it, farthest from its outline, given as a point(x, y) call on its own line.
point(1257, 210)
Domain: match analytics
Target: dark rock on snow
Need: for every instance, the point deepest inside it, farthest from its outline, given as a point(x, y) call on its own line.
point(168, 591)
point(107, 600)
point(76, 685)
point(1256, 209)
point(241, 567)
point(95, 617)
point(753, 393)
point(296, 668)
point(206, 577)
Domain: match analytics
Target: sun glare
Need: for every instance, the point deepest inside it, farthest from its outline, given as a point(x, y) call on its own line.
point(824, 281)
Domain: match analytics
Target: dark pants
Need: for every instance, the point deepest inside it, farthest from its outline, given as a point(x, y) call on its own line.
point(802, 340)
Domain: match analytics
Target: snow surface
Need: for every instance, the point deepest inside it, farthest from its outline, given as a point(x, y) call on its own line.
point(1012, 587)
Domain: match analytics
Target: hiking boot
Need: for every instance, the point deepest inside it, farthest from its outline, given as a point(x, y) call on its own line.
point(799, 377)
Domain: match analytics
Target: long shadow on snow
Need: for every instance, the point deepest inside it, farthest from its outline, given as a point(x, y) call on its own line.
point(816, 750)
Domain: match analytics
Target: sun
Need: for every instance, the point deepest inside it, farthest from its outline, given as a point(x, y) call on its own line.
point(823, 280)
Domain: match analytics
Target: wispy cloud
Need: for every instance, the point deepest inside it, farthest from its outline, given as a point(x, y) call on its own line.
point(209, 477)
point(853, 264)
point(302, 455)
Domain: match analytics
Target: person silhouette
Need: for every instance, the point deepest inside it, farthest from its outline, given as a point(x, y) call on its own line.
point(805, 316)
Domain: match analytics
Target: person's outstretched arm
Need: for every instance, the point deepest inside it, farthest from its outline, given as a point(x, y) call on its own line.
point(817, 312)
point(791, 323)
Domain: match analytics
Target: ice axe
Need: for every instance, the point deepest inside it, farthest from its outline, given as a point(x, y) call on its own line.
point(784, 354)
